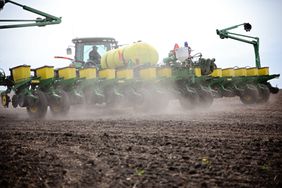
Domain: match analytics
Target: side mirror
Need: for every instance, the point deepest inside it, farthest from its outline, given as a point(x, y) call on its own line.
point(69, 51)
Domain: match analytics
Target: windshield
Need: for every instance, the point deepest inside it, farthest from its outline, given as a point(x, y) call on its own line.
point(101, 49)
point(83, 49)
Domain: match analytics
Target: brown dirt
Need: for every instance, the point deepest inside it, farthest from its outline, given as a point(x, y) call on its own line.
point(229, 145)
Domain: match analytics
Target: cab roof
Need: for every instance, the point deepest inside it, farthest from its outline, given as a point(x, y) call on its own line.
point(94, 39)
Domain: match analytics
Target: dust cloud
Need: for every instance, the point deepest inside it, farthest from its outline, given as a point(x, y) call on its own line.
point(170, 111)
point(159, 107)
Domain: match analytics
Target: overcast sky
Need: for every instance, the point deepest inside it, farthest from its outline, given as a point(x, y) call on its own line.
point(160, 23)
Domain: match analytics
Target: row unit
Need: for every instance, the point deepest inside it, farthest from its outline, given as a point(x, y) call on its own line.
point(232, 72)
point(22, 72)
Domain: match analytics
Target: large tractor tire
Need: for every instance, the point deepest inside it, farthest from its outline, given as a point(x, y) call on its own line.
point(61, 106)
point(38, 109)
point(250, 94)
point(264, 93)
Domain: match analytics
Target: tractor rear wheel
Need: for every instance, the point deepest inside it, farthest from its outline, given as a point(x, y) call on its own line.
point(264, 93)
point(250, 95)
point(38, 110)
point(61, 106)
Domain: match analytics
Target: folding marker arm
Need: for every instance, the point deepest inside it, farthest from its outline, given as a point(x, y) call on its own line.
point(47, 20)
point(224, 33)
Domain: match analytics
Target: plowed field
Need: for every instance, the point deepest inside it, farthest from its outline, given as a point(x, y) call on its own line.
point(228, 145)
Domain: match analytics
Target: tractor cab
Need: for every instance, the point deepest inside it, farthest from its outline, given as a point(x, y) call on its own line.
point(84, 48)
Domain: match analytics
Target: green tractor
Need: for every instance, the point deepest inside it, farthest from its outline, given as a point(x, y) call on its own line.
point(114, 79)
point(96, 87)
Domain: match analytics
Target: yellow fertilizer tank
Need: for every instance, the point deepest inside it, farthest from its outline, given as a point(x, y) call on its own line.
point(136, 54)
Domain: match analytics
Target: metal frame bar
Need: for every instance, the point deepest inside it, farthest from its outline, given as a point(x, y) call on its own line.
point(48, 20)
point(224, 33)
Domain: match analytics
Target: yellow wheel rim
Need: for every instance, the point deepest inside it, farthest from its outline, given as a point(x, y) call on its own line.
point(247, 98)
point(33, 109)
point(4, 100)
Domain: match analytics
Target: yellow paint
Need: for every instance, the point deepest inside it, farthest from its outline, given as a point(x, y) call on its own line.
point(263, 71)
point(67, 73)
point(87, 73)
point(20, 73)
point(148, 73)
point(4, 100)
point(35, 81)
point(107, 73)
point(125, 74)
point(45, 72)
point(240, 72)
point(197, 72)
point(217, 73)
point(252, 71)
point(138, 53)
point(228, 72)
point(164, 72)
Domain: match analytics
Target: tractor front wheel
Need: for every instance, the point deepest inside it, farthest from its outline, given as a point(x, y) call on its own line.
point(38, 109)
